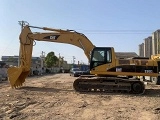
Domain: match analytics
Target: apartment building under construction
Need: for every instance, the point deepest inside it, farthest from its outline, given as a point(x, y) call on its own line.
point(151, 45)
point(156, 42)
point(145, 49)
point(141, 50)
point(148, 47)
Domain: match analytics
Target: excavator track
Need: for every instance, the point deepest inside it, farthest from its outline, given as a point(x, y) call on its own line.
point(108, 84)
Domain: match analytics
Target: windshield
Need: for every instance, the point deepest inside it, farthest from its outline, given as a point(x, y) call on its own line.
point(98, 55)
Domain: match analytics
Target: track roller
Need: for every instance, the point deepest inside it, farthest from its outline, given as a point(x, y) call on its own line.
point(137, 87)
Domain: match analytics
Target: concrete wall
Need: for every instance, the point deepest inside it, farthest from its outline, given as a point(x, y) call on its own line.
point(3, 72)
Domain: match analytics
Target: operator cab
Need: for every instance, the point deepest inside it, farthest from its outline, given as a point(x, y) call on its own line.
point(100, 56)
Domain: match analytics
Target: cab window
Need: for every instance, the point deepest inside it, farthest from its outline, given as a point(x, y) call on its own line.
point(98, 55)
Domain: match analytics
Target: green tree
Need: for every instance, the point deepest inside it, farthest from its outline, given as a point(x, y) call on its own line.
point(51, 59)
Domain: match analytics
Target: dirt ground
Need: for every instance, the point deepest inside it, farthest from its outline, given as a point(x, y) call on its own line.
point(52, 97)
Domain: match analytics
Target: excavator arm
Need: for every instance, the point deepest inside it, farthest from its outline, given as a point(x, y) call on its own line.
point(17, 75)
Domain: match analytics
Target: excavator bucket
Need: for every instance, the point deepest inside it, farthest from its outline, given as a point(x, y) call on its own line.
point(16, 76)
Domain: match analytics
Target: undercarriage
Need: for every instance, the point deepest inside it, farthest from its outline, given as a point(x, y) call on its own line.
point(108, 84)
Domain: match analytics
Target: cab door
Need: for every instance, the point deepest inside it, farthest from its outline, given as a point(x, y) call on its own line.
point(100, 56)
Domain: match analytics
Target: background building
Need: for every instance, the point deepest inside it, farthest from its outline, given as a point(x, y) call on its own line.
point(156, 42)
point(141, 50)
point(124, 55)
point(13, 61)
point(148, 47)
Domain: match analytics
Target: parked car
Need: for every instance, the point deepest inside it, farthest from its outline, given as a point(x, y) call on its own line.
point(76, 72)
point(87, 72)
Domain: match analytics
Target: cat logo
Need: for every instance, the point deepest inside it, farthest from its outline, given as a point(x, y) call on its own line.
point(52, 37)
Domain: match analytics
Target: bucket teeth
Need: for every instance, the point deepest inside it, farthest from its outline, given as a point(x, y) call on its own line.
point(17, 85)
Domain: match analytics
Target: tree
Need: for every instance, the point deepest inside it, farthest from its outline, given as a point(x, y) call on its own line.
point(51, 59)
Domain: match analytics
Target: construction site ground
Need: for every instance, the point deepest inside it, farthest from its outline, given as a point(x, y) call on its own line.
point(52, 97)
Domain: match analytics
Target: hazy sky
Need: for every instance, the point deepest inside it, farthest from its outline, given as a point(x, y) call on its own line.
point(122, 24)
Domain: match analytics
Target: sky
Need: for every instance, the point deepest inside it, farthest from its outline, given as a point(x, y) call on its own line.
point(122, 24)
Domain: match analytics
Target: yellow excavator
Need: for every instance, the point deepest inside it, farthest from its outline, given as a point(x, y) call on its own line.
point(155, 57)
point(105, 68)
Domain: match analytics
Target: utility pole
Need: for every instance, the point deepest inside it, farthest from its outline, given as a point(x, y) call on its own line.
point(74, 59)
point(59, 61)
point(42, 56)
